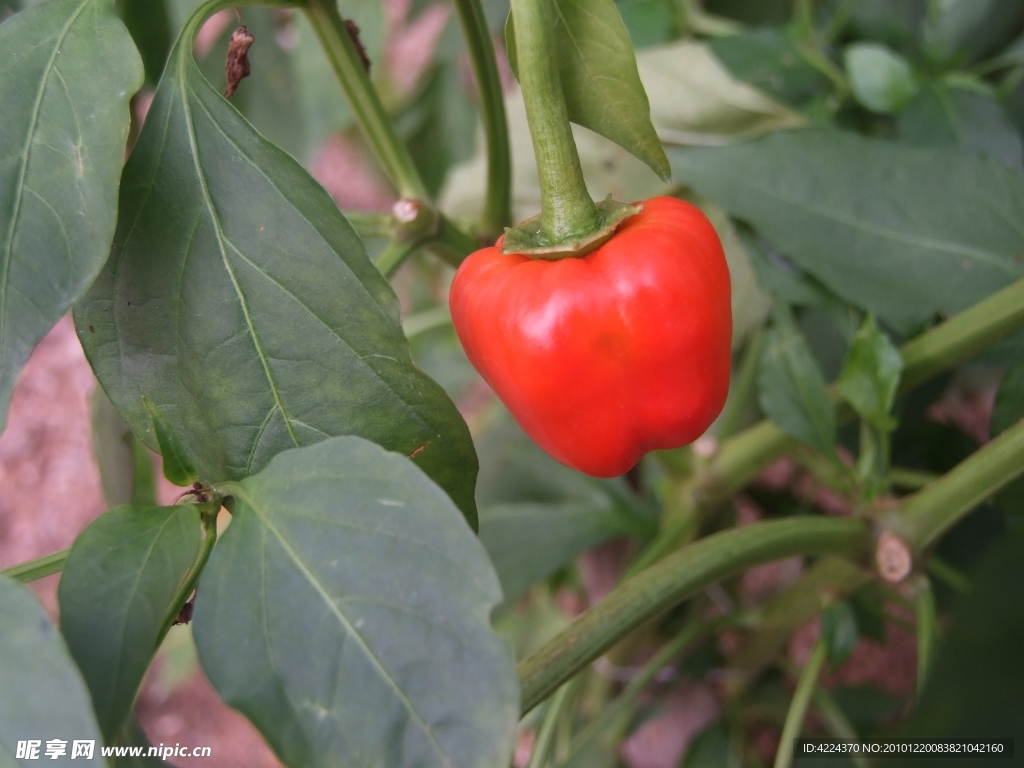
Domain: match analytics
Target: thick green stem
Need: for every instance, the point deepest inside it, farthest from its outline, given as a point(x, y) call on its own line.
point(801, 699)
point(38, 568)
point(498, 203)
point(378, 129)
point(673, 579)
point(933, 510)
point(950, 343)
point(567, 210)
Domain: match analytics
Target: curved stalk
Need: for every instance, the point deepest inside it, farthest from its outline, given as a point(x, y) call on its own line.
point(675, 578)
point(378, 129)
point(567, 210)
point(497, 212)
point(38, 568)
point(208, 514)
point(798, 706)
point(932, 511)
point(394, 255)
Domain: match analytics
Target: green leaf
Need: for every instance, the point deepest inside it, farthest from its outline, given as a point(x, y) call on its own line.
point(150, 26)
point(710, 749)
point(768, 60)
point(243, 304)
point(599, 77)
point(67, 71)
point(44, 696)
point(790, 386)
point(177, 463)
point(694, 99)
point(1009, 407)
point(941, 115)
point(879, 223)
point(649, 22)
point(126, 470)
point(973, 688)
point(537, 515)
point(961, 31)
point(345, 612)
point(870, 375)
point(881, 80)
point(839, 626)
point(120, 590)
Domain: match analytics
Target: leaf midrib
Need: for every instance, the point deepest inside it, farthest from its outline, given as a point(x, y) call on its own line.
point(241, 492)
point(183, 53)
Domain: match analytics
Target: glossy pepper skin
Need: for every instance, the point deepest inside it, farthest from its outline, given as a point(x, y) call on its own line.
point(605, 357)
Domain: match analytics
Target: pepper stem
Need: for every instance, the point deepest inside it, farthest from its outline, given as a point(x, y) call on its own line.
point(567, 210)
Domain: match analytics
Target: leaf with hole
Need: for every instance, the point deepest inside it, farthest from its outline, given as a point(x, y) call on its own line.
point(68, 69)
point(345, 611)
point(121, 588)
point(599, 77)
point(243, 304)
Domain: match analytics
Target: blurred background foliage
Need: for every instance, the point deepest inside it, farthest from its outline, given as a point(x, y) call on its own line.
point(857, 157)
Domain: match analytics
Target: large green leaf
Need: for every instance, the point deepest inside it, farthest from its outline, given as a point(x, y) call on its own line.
point(243, 304)
point(42, 695)
point(956, 116)
point(345, 612)
point(599, 77)
point(790, 386)
point(118, 594)
point(67, 71)
point(907, 232)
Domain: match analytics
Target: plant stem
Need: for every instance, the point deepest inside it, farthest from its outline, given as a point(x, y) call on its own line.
point(567, 210)
point(945, 572)
point(38, 568)
point(673, 579)
point(394, 255)
point(376, 124)
point(963, 335)
point(497, 212)
point(371, 224)
point(958, 339)
point(208, 514)
point(910, 479)
point(836, 721)
point(932, 511)
point(451, 244)
point(426, 320)
point(545, 734)
point(606, 719)
point(927, 630)
point(798, 706)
